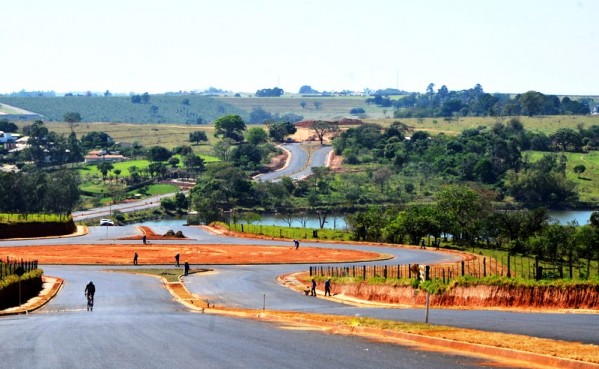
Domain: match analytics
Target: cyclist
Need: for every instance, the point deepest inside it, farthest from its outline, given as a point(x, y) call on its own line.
point(90, 290)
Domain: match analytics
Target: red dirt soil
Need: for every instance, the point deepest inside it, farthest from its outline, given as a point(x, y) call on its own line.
point(116, 254)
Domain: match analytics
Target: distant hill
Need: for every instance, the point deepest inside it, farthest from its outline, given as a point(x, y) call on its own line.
point(181, 109)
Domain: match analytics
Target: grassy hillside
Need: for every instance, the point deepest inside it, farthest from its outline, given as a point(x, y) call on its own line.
point(186, 109)
point(545, 124)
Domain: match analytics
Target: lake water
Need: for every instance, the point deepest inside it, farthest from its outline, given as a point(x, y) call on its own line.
point(332, 222)
point(338, 222)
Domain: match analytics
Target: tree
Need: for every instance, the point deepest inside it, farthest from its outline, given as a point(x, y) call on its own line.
point(322, 128)
point(194, 163)
point(104, 167)
point(159, 153)
point(270, 92)
point(197, 137)
point(259, 115)
point(464, 209)
point(173, 161)
point(532, 102)
point(230, 126)
point(6, 126)
point(256, 135)
point(579, 169)
point(306, 89)
point(222, 149)
point(357, 111)
point(38, 142)
point(72, 118)
point(279, 130)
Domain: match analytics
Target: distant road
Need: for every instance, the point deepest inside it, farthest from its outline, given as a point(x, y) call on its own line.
point(106, 211)
point(300, 163)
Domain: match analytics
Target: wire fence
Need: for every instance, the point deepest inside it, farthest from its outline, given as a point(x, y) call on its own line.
point(15, 267)
point(478, 267)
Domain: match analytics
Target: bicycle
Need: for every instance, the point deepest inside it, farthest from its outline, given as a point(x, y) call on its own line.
point(90, 302)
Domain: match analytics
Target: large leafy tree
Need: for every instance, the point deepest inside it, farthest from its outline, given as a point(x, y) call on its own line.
point(279, 130)
point(197, 137)
point(230, 126)
point(38, 142)
point(159, 153)
point(322, 128)
point(72, 118)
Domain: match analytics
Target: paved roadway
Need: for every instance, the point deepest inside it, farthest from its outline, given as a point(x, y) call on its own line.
point(300, 163)
point(136, 324)
point(254, 286)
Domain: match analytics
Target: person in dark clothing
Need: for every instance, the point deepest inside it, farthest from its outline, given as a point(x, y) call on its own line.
point(135, 258)
point(296, 243)
point(327, 287)
point(313, 289)
point(186, 268)
point(144, 239)
point(177, 259)
point(90, 290)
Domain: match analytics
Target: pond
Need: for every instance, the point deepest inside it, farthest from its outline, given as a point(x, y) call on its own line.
point(332, 222)
point(338, 221)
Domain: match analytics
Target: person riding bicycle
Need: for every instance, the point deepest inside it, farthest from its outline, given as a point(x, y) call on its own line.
point(90, 290)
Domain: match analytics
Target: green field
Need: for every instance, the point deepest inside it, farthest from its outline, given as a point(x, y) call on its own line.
point(588, 182)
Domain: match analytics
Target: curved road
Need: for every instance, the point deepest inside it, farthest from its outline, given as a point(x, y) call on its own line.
point(299, 164)
point(252, 286)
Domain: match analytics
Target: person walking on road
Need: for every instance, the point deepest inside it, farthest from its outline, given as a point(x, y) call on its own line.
point(313, 289)
point(296, 243)
point(186, 268)
point(327, 287)
point(144, 239)
point(177, 260)
point(135, 257)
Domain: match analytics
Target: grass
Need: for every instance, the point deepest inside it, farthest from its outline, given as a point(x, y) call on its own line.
point(588, 182)
point(292, 232)
point(545, 124)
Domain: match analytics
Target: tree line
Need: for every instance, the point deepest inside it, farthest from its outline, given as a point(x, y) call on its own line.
point(467, 217)
point(475, 102)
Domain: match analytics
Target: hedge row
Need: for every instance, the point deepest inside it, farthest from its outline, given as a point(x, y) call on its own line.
point(39, 229)
point(31, 285)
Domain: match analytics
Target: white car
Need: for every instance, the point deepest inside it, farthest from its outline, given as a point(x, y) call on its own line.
point(106, 222)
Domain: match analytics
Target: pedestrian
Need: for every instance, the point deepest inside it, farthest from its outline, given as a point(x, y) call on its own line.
point(186, 268)
point(313, 289)
point(135, 258)
point(177, 259)
point(296, 242)
point(422, 244)
point(327, 287)
point(143, 239)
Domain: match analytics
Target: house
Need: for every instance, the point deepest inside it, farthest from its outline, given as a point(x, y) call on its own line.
point(101, 155)
point(7, 137)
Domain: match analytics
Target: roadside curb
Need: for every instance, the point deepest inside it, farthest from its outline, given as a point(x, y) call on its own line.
point(465, 348)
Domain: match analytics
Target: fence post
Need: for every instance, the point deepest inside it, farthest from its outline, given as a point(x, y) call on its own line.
point(509, 273)
point(385, 272)
point(410, 271)
point(463, 268)
point(364, 271)
point(484, 267)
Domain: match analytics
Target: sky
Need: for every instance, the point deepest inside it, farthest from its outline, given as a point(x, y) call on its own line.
point(124, 46)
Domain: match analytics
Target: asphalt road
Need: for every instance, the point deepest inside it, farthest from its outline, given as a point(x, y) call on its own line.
point(136, 324)
point(300, 163)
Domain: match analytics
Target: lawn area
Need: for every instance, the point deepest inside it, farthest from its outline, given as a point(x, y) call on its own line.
point(588, 181)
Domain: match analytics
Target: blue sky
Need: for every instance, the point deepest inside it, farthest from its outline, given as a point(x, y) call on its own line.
point(551, 46)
